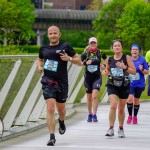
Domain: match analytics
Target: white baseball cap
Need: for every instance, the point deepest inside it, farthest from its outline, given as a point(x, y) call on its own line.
point(92, 39)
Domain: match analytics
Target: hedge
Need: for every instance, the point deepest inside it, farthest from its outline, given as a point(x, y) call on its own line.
point(34, 49)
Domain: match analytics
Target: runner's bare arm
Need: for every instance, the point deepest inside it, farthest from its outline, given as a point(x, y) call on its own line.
point(131, 68)
point(40, 65)
point(107, 69)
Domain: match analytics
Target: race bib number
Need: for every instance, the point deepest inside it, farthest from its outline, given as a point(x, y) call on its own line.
point(51, 65)
point(117, 72)
point(92, 68)
point(134, 77)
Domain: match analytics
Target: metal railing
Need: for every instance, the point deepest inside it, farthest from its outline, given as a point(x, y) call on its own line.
point(21, 99)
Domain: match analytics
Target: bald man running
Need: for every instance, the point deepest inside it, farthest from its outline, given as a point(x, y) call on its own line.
point(53, 59)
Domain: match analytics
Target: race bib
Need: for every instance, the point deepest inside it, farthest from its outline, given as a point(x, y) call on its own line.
point(51, 65)
point(134, 77)
point(117, 72)
point(92, 68)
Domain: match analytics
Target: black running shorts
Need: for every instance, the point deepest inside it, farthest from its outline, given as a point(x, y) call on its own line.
point(91, 84)
point(136, 91)
point(122, 92)
point(60, 94)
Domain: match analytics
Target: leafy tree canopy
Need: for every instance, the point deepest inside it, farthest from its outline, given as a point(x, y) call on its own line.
point(105, 24)
point(134, 24)
point(125, 19)
point(95, 5)
point(16, 19)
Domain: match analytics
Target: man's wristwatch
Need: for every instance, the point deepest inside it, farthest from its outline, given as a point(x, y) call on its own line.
point(70, 58)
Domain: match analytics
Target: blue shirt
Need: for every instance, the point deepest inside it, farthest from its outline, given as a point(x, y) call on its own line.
point(138, 80)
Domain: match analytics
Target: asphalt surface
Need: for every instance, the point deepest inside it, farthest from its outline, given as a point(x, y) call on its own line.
point(82, 135)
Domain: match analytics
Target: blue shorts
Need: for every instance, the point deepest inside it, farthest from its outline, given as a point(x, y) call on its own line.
point(136, 91)
point(122, 92)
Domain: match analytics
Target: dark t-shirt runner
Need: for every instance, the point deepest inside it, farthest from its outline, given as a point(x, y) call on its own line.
point(53, 65)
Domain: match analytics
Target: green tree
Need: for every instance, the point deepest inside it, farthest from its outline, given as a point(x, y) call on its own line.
point(134, 24)
point(16, 20)
point(125, 19)
point(95, 5)
point(105, 24)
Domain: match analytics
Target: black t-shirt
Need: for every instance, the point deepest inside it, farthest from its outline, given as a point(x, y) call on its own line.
point(53, 65)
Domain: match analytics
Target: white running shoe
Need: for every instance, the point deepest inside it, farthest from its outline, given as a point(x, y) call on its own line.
point(121, 133)
point(110, 132)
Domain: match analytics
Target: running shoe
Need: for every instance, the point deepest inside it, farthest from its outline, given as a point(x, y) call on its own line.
point(121, 133)
point(129, 120)
point(62, 127)
point(110, 132)
point(90, 116)
point(95, 118)
point(52, 141)
point(134, 120)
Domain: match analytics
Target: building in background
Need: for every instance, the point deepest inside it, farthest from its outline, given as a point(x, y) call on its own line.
point(65, 4)
point(62, 4)
point(37, 3)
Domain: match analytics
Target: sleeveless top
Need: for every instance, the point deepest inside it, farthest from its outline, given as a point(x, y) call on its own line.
point(116, 71)
point(118, 77)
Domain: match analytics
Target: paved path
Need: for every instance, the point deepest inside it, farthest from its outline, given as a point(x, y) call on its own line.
point(81, 135)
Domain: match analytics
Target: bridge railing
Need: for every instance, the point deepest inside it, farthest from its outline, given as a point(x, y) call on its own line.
point(21, 99)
